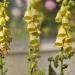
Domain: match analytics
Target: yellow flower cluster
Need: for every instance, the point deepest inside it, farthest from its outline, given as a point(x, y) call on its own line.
point(64, 38)
point(33, 18)
point(4, 32)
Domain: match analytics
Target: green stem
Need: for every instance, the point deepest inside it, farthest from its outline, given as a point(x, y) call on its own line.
point(50, 69)
point(62, 70)
point(1, 64)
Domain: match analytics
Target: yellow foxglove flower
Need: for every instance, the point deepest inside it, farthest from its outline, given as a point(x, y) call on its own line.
point(68, 38)
point(35, 3)
point(2, 9)
point(5, 29)
point(34, 41)
point(58, 18)
point(36, 32)
point(2, 39)
point(28, 16)
point(37, 15)
point(65, 2)
point(65, 20)
point(66, 23)
point(68, 14)
point(63, 10)
point(59, 43)
point(6, 18)
point(4, 33)
point(2, 21)
point(31, 27)
point(61, 32)
point(67, 26)
point(67, 47)
point(1, 33)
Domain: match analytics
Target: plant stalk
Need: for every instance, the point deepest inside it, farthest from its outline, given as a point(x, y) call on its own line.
point(62, 70)
point(50, 69)
point(1, 65)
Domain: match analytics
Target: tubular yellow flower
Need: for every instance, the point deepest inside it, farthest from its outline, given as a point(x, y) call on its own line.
point(67, 47)
point(34, 41)
point(64, 39)
point(61, 32)
point(58, 18)
point(64, 33)
point(58, 43)
point(31, 27)
point(4, 32)
point(28, 16)
point(65, 20)
point(2, 21)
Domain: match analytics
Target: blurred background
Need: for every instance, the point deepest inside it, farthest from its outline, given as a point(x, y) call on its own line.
point(16, 60)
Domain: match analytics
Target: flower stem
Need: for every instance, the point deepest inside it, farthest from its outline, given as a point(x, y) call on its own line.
point(50, 69)
point(62, 73)
point(1, 68)
point(62, 70)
